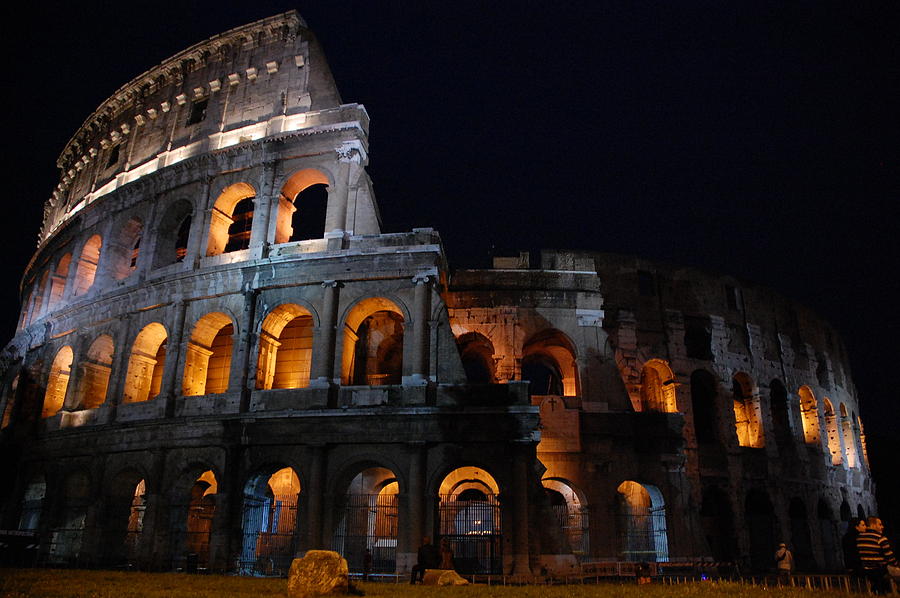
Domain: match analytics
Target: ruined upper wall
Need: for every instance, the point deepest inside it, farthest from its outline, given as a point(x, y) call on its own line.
point(249, 83)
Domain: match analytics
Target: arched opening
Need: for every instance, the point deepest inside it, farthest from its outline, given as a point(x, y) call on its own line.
point(809, 414)
point(146, 364)
point(32, 504)
point(781, 422)
point(831, 432)
point(172, 234)
point(548, 364)
point(860, 512)
point(747, 416)
point(642, 523)
point(37, 298)
point(207, 362)
point(373, 343)
point(862, 440)
point(95, 371)
point(57, 382)
point(800, 538)
point(658, 387)
point(849, 438)
point(828, 531)
point(65, 548)
point(87, 266)
point(703, 406)
point(302, 204)
point(285, 348)
point(368, 520)
point(123, 520)
point(717, 519)
point(759, 518)
point(192, 523)
point(269, 523)
point(477, 354)
point(125, 249)
point(231, 219)
point(58, 281)
point(570, 511)
point(469, 515)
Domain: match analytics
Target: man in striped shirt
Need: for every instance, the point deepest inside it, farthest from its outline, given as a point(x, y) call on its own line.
point(875, 554)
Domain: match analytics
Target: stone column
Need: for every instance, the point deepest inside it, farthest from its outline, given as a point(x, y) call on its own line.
point(351, 156)
point(415, 499)
point(174, 351)
point(419, 366)
point(265, 211)
point(198, 238)
point(121, 354)
point(248, 324)
point(316, 494)
point(325, 342)
point(520, 565)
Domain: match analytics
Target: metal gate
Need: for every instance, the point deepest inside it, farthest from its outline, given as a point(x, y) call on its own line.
point(643, 537)
point(472, 528)
point(189, 534)
point(368, 521)
point(269, 543)
point(575, 525)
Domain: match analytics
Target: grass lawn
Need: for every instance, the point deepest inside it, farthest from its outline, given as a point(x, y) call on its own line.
point(57, 583)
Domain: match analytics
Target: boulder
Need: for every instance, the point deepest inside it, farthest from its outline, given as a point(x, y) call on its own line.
point(319, 573)
point(442, 577)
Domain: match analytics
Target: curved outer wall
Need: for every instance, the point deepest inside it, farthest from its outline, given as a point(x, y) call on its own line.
point(197, 318)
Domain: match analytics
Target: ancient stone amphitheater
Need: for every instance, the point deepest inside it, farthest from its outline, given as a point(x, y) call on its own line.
point(222, 361)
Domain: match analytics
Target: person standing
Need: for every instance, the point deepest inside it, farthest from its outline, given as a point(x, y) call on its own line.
point(784, 561)
point(428, 558)
point(875, 555)
point(855, 527)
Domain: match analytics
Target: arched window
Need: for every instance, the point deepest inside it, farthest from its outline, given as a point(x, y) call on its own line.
point(747, 417)
point(172, 234)
point(231, 219)
point(658, 387)
point(759, 517)
point(207, 363)
point(301, 207)
point(125, 249)
point(37, 298)
point(469, 514)
point(477, 354)
point(704, 407)
point(269, 521)
point(373, 343)
point(193, 519)
point(809, 414)
point(778, 400)
point(368, 519)
point(95, 370)
point(548, 363)
point(642, 523)
point(717, 518)
point(285, 348)
point(801, 541)
point(87, 265)
point(146, 364)
point(862, 440)
point(57, 382)
point(570, 511)
point(849, 438)
point(832, 433)
point(58, 281)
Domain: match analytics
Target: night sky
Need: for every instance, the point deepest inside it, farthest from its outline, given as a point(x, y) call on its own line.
point(756, 139)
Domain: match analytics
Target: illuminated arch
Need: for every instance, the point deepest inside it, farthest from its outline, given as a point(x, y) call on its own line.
point(229, 231)
point(658, 387)
point(95, 371)
point(373, 343)
point(146, 364)
point(642, 523)
point(809, 415)
point(269, 522)
point(207, 361)
point(193, 509)
point(470, 519)
point(292, 224)
point(570, 510)
point(285, 348)
point(58, 281)
point(548, 363)
point(477, 354)
point(173, 233)
point(747, 412)
point(368, 518)
point(86, 271)
point(57, 382)
point(850, 453)
point(832, 433)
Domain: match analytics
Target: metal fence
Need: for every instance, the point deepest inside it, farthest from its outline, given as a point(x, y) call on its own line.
point(268, 540)
point(368, 522)
point(472, 528)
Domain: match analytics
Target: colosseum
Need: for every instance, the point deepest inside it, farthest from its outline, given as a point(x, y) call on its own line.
point(222, 362)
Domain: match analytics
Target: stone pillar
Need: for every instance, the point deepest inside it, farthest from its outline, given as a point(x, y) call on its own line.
point(227, 515)
point(199, 235)
point(316, 494)
point(351, 156)
point(415, 503)
point(520, 564)
point(325, 342)
point(419, 366)
point(248, 324)
point(121, 354)
point(265, 210)
point(174, 351)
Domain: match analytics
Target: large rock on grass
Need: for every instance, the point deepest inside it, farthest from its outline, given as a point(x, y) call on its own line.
point(442, 577)
point(319, 573)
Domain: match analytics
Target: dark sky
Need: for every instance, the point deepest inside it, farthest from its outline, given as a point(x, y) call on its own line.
point(757, 139)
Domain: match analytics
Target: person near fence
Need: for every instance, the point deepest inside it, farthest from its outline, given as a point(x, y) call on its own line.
point(784, 562)
point(428, 557)
point(876, 555)
point(446, 554)
point(855, 527)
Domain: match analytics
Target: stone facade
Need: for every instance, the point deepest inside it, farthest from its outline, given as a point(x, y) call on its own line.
point(222, 362)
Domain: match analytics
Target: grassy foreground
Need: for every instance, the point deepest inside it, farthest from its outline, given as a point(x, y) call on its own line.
point(57, 583)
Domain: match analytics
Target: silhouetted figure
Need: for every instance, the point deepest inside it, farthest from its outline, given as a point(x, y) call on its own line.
point(784, 562)
point(446, 555)
point(428, 558)
point(855, 527)
point(876, 554)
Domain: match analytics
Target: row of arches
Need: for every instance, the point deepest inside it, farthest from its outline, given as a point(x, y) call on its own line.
point(299, 215)
point(368, 516)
